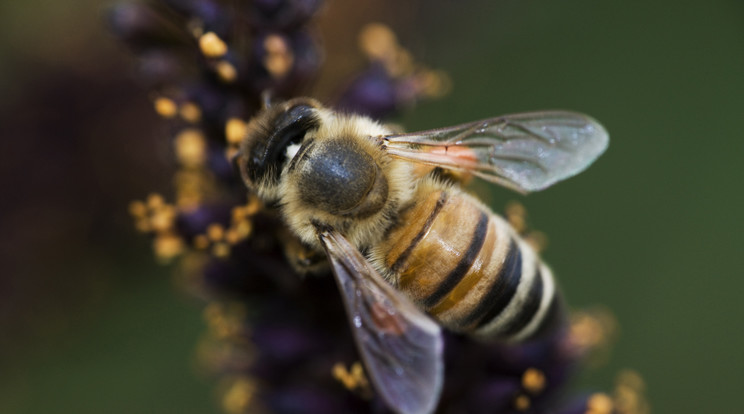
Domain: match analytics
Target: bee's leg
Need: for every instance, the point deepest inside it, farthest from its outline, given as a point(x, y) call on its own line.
point(303, 259)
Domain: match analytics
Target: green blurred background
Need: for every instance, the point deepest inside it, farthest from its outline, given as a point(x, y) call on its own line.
point(653, 230)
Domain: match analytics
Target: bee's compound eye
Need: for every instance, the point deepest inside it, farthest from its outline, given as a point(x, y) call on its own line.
point(342, 179)
point(269, 150)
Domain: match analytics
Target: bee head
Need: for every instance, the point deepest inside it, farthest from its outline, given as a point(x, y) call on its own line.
point(264, 150)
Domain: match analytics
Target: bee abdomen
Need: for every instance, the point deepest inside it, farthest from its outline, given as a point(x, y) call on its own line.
point(466, 267)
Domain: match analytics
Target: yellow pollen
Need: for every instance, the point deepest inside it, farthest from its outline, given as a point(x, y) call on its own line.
point(226, 71)
point(522, 403)
point(189, 198)
point(197, 30)
point(631, 379)
point(238, 213)
point(537, 240)
point(192, 186)
point(212, 312)
point(275, 44)
point(435, 83)
point(221, 250)
point(191, 148)
point(517, 222)
point(163, 219)
point(353, 379)
point(377, 41)
point(533, 380)
point(592, 329)
point(629, 395)
point(190, 112)
point(155, 201)
point(165, 107)
point(357, 371)
point(339, 372)
point(201, 242)
point(167, 247)
point(137, 209)
point(243, 229)
point(239, 396)
point(235, 130)
point(253, 206)
point(212, 46)
point(215, 232)
point(224, 321)
point(401, 63)
point(229, 328)
point(599, 403)
point(232, 236)
point(279, 58)
point(517, 216)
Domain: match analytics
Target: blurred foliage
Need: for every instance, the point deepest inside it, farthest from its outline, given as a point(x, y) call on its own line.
point(652, 231)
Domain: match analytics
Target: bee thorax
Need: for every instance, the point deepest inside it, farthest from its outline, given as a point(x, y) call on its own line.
point(338, 178)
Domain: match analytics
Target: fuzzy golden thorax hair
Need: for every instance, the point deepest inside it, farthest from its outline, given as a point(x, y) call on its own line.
point(386, 183)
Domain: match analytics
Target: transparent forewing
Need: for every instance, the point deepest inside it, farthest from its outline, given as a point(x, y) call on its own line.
point(526, 152)
point(400, 345)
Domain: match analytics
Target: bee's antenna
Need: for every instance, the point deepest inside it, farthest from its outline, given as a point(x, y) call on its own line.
point(235, 161)
point(266, 96)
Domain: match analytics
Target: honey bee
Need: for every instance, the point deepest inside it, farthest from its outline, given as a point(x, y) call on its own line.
point(411, 252)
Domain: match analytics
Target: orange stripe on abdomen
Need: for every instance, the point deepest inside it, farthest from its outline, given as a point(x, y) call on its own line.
point(457, 309)
point(404, 239)
point(467, 267)
point(481, 267)
point(433, 255)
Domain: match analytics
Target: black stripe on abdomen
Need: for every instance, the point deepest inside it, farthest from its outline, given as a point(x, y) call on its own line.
point(527, 311)
point(553, 320)
point(463, 266)
point(501, 292)
point(401, 260)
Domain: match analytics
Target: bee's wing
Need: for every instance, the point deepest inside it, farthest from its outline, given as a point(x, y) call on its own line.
point(400, 345)
point(525, 152)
